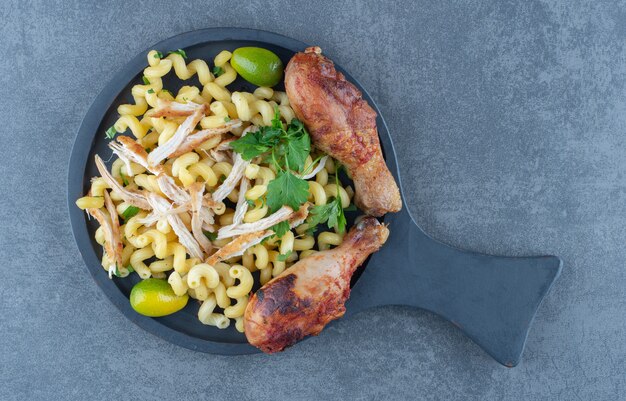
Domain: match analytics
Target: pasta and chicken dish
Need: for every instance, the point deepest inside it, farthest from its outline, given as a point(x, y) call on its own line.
point(237, 199)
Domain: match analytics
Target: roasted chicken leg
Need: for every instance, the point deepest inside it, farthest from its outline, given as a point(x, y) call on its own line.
point(311, 293)
point(343, 125)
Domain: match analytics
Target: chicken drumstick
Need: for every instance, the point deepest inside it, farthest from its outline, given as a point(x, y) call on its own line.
point(311, 293)
point(343, 125)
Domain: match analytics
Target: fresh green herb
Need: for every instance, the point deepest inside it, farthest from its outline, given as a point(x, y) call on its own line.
point(282, 146)
point(324, 214)
point(256, 143)
point(180, 52)
point(211, 236)
point(221, 179)
point(287, 149)
point(145, 80)
point(298, 148)
point(331, 213)
point(282, 258)
point(158, 54)
point(217, 71)
point(129, 212)
point(286, 189)
point(110, 133)
point(130, 269)
point(150, 90)
point(124, 179)
point(226, 119)
point(340, 222)
point(281, 228)
point(276, 123)
point(250, 202)
point(264, 240)
point(166, 91)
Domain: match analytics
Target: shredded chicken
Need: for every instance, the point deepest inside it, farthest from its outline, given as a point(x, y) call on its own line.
point(132, 197)
point(242, 206)
point(110, 228)
point(161, 205)
point(209, 202)
point(199, 215)
point(99, 215)
point(249, 128)
point(151, 219)
point(175, 193)
point(225, 145)
point(223, 151)
point(220, 156)
point(154, 216)
point(133, 151)
point(208, 227)
point(168, 108)
point(239, 245)
point(196, 139)
point(122, 157)
point(281, 214)
point(233, 178)
point(320, 166)
point(116, 239)
point(163, 151)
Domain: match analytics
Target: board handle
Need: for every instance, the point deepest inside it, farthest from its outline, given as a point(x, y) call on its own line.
point(492, 299)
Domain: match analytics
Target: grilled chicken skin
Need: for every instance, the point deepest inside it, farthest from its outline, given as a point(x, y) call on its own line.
point(343, 125)
point(311, 293)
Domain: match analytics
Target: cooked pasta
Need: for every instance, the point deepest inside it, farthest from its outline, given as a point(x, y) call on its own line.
point(164, 210)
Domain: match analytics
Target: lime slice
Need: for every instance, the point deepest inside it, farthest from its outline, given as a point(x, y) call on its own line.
point(257, 65)
point(154, 297)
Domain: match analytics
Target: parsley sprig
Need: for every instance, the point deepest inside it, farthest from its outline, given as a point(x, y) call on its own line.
point(111, 132)
point(180, 52)
point(331, 213)
point(211, 236)
point(129, 212)
point(217, 71)
point(287, 149)
point(281, 228)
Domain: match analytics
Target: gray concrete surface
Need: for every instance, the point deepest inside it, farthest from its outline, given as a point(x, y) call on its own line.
point(509, 119)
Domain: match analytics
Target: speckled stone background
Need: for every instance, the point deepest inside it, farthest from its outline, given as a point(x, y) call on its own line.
point(509, 120)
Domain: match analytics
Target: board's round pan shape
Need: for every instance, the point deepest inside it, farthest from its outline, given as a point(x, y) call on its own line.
point(491, 299)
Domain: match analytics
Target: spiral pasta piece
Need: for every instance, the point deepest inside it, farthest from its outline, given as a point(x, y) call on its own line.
point(158, 241)
point(326, 239)
point(207, 316)
point(238, 309)
point(137, 261)
point(90, 202)
point(185, 71)
point(259, 211)
point(245, 282)
point(161, 266)
point(203, 274)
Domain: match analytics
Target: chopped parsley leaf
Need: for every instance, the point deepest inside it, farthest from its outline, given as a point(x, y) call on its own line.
point(180, 52)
